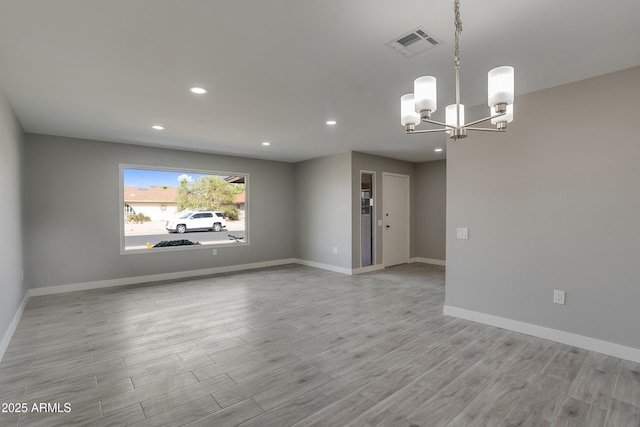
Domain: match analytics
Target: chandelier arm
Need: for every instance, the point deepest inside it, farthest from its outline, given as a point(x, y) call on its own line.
point(426, 131)
point(486, 129)
point(438, 123)
point(475, 122)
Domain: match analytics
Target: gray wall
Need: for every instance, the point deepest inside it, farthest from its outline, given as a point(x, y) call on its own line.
point(73, 212)
point(12, 289)
point(553, 204)
point(379, 165)
point(323, 214)
point(431, 210)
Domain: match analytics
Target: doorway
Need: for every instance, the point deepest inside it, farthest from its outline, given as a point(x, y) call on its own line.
point(396, 217)
point(367, 219)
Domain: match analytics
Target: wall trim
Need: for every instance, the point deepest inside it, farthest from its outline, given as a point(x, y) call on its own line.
point(155, 277)
point(428, 261)
point(6, 339)
point(593, 344)
point(328, 267)
point(367, 269)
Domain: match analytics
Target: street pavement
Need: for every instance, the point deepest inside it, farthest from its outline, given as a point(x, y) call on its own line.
point(136, 236)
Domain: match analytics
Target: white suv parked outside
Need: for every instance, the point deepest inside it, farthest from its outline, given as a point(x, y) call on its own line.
point(201, 220)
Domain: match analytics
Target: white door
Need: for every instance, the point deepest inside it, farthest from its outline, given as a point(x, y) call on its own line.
point(395, 219)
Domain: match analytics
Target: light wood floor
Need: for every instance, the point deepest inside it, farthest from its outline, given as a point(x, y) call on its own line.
point(294, 345)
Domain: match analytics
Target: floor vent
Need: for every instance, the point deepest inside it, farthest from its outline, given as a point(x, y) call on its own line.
point(414, 42)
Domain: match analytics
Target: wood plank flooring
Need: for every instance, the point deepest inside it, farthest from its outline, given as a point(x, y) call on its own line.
point(298, 346)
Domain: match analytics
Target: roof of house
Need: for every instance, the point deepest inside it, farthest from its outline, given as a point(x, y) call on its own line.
point(151, 194)
point(160, 195)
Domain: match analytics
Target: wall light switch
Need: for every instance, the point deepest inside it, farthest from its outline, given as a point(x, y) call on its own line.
point(335, 249)
point(379, 223)
point(558, 297)
point(214, 252)
point(462, 233)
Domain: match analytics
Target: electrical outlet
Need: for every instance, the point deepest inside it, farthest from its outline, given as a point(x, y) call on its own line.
point(558, 297)
point(214, 252)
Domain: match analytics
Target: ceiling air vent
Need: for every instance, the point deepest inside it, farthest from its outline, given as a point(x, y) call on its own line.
point(414, 42)
point(409, 39)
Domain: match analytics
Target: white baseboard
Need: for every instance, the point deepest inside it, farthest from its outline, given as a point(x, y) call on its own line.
point(6, 338)
point(328, 267)
point(599, 346)
point(428, 261)
point(367, 269)
point(156, 277)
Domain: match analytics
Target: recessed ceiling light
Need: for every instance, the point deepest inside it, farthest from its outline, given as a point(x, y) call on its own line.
point(331, 122)
point(266, 144)
point(198, 90)
point(158, 127)
point(437, 150)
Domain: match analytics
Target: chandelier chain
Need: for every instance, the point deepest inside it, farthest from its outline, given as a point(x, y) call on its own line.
point(458, 23)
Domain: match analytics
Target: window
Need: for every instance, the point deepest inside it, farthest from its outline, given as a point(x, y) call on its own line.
point(171, 209)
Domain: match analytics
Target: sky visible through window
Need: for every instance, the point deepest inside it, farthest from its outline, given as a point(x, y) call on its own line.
point(143, 178)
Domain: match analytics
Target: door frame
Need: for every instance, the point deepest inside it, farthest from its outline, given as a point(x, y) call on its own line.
point(408, 209)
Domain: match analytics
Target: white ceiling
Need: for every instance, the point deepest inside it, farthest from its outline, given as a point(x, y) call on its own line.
point(277, 70)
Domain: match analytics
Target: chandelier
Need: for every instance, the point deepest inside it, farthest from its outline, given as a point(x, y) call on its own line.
point(418, 106)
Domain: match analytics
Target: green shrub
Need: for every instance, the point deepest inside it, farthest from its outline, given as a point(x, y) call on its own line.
point(138, 218)
point(230, 212)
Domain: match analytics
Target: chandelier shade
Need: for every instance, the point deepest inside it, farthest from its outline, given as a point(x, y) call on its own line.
point(500, 86)
point(450, 115)
point(426, 94)
point(408, 115)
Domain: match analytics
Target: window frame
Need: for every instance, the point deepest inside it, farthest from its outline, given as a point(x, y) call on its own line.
point(202, 246)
